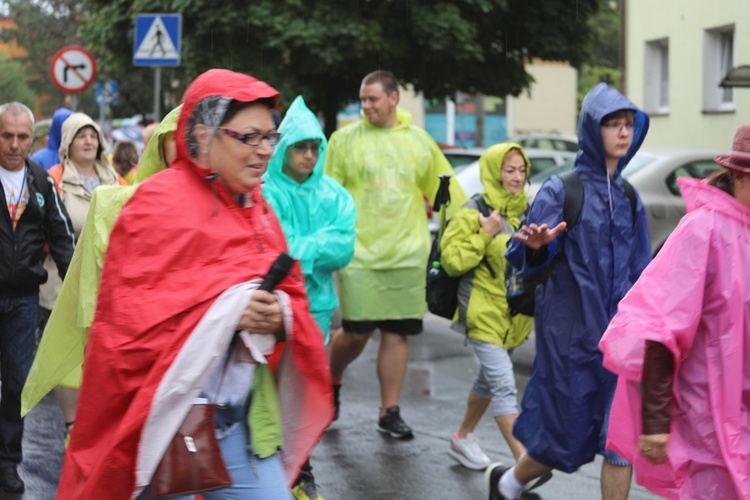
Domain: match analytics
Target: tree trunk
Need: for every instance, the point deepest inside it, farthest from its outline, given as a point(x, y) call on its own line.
point(331, 105)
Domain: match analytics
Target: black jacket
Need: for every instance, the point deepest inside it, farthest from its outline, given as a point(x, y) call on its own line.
point(45, 220)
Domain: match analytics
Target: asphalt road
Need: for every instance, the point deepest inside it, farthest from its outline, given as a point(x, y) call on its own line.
point(353, 460)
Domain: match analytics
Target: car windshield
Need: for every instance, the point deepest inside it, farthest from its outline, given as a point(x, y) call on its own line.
point(542, 176)
point(461, 161)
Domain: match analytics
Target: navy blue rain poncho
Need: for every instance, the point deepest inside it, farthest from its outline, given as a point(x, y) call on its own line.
point(564, 404)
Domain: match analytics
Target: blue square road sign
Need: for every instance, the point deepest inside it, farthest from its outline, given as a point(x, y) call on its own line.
point(157, 40)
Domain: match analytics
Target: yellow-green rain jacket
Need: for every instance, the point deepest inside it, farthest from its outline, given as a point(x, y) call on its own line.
point(482, 310)
point(388, 172)
point(59, 357)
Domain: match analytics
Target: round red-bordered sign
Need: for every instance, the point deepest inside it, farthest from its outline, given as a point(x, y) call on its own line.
point(73, 69)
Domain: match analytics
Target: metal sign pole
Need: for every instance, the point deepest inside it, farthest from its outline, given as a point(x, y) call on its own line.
point(157, 94)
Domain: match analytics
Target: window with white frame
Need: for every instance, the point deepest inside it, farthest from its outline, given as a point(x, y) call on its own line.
point(718, 59)
point(656, 84)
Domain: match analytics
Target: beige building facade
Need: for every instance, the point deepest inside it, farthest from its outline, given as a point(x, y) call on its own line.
point(550, 105)
point(676, 53)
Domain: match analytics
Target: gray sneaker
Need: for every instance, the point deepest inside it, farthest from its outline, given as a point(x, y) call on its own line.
point(467, 452)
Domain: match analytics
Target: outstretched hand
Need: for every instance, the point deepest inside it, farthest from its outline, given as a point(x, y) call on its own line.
point(535, 237)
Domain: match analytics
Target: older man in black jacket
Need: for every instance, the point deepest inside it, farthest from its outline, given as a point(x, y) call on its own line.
point(33, 215)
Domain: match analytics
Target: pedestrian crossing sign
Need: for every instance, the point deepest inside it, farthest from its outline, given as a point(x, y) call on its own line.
point(157, 40)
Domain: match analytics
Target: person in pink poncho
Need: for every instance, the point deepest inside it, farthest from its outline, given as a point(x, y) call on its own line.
point(680, 343)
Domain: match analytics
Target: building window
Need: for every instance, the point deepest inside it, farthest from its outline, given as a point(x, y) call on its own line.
point(656, 86)
point(718, 59)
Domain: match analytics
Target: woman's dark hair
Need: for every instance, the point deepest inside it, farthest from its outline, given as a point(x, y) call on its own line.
point(125, 153)
point(237, 106)
point(724, 180)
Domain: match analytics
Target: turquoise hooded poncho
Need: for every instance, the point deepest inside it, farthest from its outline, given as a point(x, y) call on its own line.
point(318, 215)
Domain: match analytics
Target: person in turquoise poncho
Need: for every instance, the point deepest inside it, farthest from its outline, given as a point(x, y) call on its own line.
point(317, 215)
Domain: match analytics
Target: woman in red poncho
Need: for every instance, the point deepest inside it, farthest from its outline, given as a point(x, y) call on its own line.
point(179, 278)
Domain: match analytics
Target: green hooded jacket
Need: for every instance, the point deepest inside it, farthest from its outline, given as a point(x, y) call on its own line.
point(317, 216)
point(482, 310)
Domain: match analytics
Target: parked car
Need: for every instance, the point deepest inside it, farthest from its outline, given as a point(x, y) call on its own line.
point(654, 172)
point(468, 175)
point(460, 157)
point(554, 142)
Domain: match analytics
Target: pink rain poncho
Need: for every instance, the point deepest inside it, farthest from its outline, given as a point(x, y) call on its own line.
point(695, 299)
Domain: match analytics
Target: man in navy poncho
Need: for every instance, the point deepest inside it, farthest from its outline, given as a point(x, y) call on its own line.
point(563, 422)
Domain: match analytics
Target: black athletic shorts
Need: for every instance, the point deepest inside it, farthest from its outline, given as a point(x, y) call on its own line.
point(400, 326)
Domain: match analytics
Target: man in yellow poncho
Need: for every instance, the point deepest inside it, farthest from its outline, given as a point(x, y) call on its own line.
point(389, 166)
point(59, 358)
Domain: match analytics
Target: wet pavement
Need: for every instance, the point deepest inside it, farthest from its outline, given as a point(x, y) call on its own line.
point(353, 460)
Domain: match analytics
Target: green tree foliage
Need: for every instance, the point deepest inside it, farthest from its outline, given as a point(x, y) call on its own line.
point(13, 83)
point(322, 49)
point(42, 28)
point(603, 54)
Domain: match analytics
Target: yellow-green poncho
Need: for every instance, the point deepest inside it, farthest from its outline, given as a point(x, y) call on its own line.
point(482, 310)
point(388, 172)
point(59, 358)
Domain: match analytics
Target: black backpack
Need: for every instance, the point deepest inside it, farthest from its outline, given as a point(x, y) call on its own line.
point(520, 292)
point(442, 290)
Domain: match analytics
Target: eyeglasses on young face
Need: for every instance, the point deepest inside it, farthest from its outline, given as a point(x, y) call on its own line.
point(617, 126)
point(253, 138)
point(304, 147)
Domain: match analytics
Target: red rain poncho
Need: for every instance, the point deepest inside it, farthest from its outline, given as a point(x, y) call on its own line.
point(176, 247)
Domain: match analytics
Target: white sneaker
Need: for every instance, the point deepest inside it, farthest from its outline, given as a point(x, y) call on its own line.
point(467, 452)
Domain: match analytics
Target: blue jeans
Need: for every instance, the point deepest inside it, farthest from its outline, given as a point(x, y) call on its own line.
point(253, 478)
point(18, 317)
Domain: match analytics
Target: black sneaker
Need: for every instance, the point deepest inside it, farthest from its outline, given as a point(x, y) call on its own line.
point(392, 423)
point(336, 401)
point(492, 477)
point(540, 481)
point(10, 481)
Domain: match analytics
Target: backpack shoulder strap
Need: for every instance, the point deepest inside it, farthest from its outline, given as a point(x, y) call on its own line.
point(573, 197)
point(630, 193)
point(482, 205)
point(485, 210)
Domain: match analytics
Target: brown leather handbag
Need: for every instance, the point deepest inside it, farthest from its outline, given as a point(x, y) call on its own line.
point(192, 462)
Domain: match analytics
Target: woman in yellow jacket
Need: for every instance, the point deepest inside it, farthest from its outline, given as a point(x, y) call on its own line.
point(472, 247)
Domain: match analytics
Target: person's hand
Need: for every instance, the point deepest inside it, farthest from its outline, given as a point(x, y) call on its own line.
point(654, 447)
point(262, 314)
point(492, 224)
point(535, 237)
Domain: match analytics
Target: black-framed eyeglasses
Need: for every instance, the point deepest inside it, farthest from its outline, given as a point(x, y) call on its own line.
point(304, 147)
point(253, 138)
